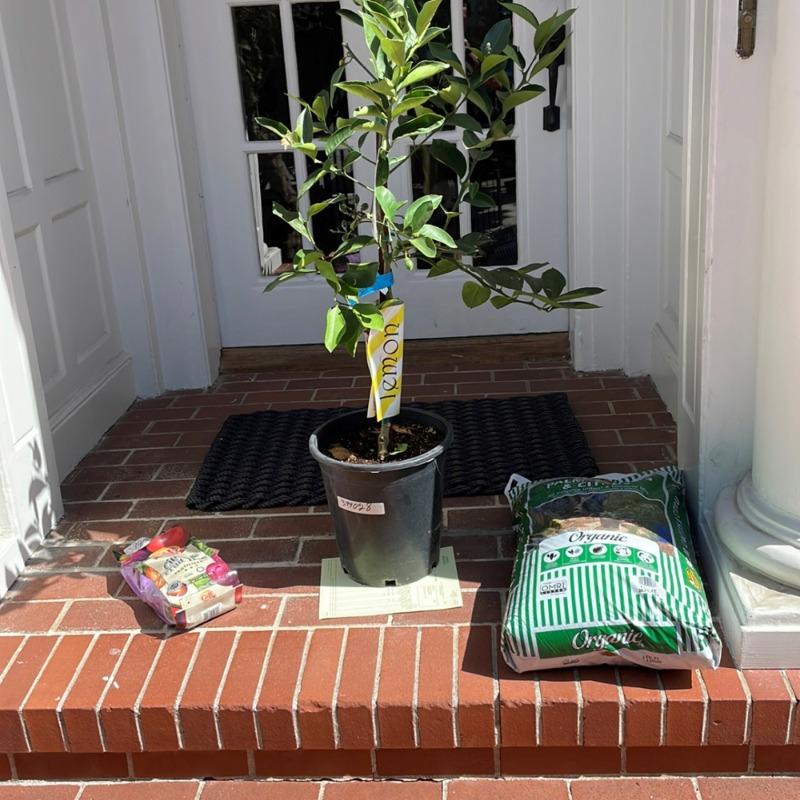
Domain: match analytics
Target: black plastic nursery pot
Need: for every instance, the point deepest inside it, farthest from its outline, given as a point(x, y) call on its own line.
point(387, 517)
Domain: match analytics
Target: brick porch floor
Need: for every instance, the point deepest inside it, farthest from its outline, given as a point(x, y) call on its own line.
point(93, 687)
point(749, 788)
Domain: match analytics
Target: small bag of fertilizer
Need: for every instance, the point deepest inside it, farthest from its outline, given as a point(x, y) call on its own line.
point(182, 579)
point(605, 573)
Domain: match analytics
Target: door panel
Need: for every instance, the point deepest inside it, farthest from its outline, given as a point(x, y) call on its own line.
point(242, 58)
point(52, 200)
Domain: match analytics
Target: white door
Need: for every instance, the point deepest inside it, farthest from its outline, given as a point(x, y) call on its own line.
point(677, 333)
point(86, 377)
point(243, 60)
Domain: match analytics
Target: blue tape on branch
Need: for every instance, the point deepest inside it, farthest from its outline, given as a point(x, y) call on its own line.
point(382, 282)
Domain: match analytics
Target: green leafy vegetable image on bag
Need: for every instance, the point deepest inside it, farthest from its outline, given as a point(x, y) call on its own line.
point(605, 573)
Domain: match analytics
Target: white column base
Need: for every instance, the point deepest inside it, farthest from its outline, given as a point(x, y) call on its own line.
point(765, 539)
point(760, 617)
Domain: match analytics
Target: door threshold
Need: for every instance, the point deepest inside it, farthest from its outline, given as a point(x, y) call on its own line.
point(468, 349)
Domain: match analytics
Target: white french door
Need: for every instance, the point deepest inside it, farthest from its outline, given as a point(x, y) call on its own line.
point(247, 59)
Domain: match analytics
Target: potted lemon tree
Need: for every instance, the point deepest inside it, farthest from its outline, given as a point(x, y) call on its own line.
point(383, 470)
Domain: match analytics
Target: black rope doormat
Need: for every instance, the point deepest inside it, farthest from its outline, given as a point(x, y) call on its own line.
point(261, 460)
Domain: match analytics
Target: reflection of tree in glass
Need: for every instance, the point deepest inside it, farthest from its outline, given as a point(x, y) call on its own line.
point(262, 74)
point(277, 183)
point(479, 16)
point(318, 43)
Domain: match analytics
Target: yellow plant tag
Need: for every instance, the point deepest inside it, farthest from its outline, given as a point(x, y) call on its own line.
point(385, 359)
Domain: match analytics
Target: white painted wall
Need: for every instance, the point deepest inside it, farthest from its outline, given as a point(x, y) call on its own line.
point(734, 241)
point(163, 184)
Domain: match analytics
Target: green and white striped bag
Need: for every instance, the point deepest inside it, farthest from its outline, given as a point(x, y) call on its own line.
point(605, 573)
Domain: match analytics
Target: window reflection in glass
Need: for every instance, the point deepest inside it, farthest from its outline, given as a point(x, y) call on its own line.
point(428, 176)
point(262, 73)
point(479, 17)
point(497, 177)
point(272, 179)
point(329, 225)
point(318, 43)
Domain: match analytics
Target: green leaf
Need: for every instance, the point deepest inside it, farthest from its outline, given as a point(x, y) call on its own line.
point(304, 127)
point(523, 12)
point(424, 123)
point(498, 301)
point(424, 246)
point(448, 154)
point(493, 61)
point(339, 136)
point(399, 449)
point(548, 27)
point(471, 140)
point(482, 200)
point(553, 282)
point(471, 241)
point(321, 105)
point(508, 278)
point(369, 316)
point(278, 128)
point(497, 37)
point(584, 291)
point(548, 58)
point(575, 305)
point(482, 102)
point(466, 121)
point(351, 16)
point(335, 326)
point(426, 14)
point(514, 99)
point(474, 294)
point(311, 180)
point(353, 245)
point(282, 278)
point(437, 234)
point(352, 332)
point(413, 99)
point(423, 71)
point(360, 89)
point(387, 201)
point(360, 275)
point(420, 211)
point(442, 52)
point(394, 48)
point(442, 267)
point(325, 268)
point(321, 206)
point(335, 78)
point(534, 267)
point(291, 218)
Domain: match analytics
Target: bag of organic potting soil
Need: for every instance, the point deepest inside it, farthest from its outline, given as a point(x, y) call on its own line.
point(605, 573)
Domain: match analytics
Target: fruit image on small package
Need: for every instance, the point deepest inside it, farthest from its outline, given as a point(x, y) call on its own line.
point(182, 579)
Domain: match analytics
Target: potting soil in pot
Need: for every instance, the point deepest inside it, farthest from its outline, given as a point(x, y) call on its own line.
point(605, 573)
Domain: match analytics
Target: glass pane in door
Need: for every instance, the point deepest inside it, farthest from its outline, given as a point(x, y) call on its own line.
point(428, 176)
point(328, 225)
point(262, 72)
point(497, 177)
point(479, 17)
point(272, 179)
point(318, 46)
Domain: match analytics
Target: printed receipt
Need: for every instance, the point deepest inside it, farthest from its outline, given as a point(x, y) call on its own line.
point(341, 596)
